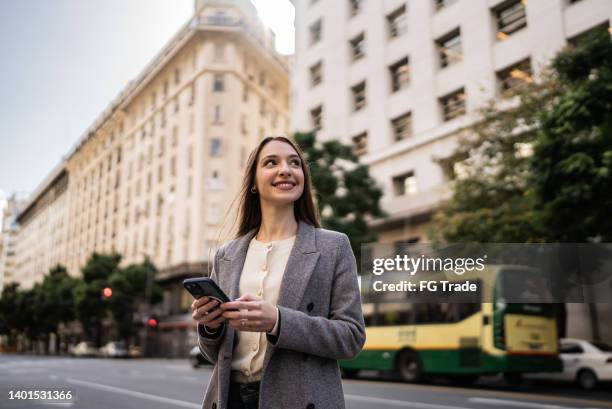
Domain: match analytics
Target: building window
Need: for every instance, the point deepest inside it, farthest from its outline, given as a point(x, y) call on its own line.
point(397, 22)
point(360, 144)
point(402, 126)
point(512, 78)
point(453, 105)
point(511, 17)
point(357, 47)
point(243, 124)
point(316, 74)
point(440, 4)
point(316, 32)
point(219, 52)
point(176, 105)
point(579, 39)
point(359, 96)
point(165, 89)
point(400, 74)
point(173, 166)
point(215, 147)
point(316, 117)
point(162, 118)
point(449, 48)
point(217, 119)
point(177, 76)
point(190, 156)
point(405, 184)
point(355, 7)
point(218, 83)
point(245, 93)
point(191, 95)
point(174, 136)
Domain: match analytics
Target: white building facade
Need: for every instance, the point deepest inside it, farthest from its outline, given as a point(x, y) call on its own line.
point(399, 78)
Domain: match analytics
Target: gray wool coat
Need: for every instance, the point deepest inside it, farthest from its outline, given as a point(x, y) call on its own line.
point(320, 322)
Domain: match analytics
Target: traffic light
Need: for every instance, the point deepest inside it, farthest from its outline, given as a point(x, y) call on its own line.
point(152, 322)
point(107, 292)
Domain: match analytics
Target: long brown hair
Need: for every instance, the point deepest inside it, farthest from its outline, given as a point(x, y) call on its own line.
point(304, 208)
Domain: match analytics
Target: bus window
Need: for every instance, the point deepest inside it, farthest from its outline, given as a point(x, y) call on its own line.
point(523, 286)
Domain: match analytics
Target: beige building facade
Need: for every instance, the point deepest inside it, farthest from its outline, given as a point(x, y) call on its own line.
point(158, 171)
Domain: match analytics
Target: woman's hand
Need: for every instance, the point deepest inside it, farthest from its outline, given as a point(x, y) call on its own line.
point(205, 312)
point(253, 315)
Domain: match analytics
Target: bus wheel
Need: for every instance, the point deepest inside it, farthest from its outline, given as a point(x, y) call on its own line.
point(409, 367)
point(586, 379)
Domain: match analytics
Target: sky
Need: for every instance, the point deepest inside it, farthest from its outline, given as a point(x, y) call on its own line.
point(64, 61)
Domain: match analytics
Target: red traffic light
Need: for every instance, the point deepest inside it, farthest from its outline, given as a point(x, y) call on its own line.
point(152, 322)
point(107, 292)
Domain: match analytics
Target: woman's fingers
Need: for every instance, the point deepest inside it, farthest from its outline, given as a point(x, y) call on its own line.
point(205, 309)
point(198, 302)
point(253, 314)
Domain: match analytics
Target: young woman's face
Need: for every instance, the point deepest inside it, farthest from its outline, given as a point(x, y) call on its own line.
point(279, 177)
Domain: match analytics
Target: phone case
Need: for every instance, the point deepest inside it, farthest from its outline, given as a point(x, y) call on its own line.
point(203, 286)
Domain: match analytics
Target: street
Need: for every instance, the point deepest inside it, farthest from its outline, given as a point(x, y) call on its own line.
point(159, 383)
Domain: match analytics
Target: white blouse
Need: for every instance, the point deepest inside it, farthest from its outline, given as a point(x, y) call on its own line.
point(261, 276)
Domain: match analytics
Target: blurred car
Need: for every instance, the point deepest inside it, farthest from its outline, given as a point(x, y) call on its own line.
point(114, 350)
point(135, 352)
point(84, 349)
point(196, 358)
point(588, 363)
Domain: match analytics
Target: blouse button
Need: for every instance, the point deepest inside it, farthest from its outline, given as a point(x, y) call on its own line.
point(254, 347)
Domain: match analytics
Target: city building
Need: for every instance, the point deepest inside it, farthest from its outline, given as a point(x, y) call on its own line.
point(8, 239)
point(155, 175)
point(399, 79)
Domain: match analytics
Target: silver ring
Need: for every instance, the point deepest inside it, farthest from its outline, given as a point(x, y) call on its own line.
point(243, 322)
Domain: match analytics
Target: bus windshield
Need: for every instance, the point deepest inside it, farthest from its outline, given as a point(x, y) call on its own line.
point(516, 285)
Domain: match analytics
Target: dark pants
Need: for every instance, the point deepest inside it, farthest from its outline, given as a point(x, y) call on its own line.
point(244, 396)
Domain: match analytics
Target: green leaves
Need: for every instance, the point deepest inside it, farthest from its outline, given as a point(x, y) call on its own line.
point(562, 189)
point(345, 193)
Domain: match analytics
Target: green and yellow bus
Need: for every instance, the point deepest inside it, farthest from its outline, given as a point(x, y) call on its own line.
point(460, 340)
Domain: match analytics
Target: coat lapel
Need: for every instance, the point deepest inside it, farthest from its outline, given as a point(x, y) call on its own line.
point(300, 265)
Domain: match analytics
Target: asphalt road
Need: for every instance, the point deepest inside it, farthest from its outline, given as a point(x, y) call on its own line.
point(158, 383)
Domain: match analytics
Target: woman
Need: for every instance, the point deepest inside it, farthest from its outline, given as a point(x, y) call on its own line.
point(299, 310)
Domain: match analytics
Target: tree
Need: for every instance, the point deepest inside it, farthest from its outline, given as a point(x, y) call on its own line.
point(572, 161)
point(129, 291)
point(345, 193)
point(55, 300)
point(91, 308)
point(10, 318)
point(542, 170)
point(491, 167)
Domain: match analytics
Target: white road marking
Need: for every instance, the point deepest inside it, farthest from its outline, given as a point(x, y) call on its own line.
point(136, 394)
point(518, 404)
point(400, 403)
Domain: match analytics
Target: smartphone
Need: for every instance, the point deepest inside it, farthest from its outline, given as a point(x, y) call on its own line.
point(204, 286)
